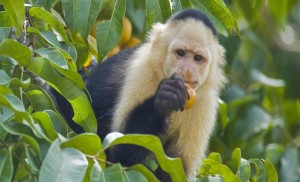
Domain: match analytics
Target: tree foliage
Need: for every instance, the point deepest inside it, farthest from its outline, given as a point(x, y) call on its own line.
point(50, 40)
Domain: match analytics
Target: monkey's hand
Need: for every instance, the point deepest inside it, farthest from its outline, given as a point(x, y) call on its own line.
point(171, 95)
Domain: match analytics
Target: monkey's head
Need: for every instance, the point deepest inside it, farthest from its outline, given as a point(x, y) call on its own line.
point(192, 49)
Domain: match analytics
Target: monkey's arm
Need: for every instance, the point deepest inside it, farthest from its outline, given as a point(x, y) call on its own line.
point(150, 117)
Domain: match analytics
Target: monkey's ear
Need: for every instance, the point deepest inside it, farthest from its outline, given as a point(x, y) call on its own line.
point(155, 34)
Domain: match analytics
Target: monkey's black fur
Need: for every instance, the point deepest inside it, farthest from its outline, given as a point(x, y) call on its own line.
point(149, 117)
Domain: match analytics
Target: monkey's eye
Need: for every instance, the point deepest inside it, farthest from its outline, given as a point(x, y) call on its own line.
point(198, 58)
point(180, 52)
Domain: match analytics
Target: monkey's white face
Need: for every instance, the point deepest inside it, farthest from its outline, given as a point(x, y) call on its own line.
point(190, 60)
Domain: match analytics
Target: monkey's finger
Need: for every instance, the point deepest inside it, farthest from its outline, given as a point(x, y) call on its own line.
point(180, 100)
point(178, 82)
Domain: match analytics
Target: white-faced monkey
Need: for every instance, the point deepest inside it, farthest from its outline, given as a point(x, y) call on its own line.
point(142, 90)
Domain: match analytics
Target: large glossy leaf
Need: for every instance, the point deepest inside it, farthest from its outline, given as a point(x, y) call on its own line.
point(83, 113)
point(81, 15)
point(109, 32)
point(51, 20)
point(16, 10)
point(87, 143)
point(68, 165)
point(219, 14)
point(6, 165)
point(21, 53)
point(152, 143)
point(45, 122)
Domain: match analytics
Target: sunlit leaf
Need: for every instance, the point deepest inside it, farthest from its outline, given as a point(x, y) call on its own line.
point(171, 165)
point(68, 165)
point(21, 53)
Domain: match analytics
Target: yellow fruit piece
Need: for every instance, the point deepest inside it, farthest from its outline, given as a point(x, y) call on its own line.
point(133, 41)
point(190, 102)
point(126, 32)
point(88, 60)
point(113, 51)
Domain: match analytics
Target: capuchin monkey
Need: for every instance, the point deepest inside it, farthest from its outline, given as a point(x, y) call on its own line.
point(142, 91)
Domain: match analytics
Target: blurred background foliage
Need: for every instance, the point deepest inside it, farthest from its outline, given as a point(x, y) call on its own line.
point(262, 101)
point(259, 109)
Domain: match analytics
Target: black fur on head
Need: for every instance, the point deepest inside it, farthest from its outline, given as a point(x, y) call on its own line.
point(195, 14)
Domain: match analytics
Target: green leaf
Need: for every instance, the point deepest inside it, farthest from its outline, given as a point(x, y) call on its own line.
point(87, 143)
point(157, 11)
point(145, 171)
point(6, 165)
point(179, 5)
point(5, 79)
point(235, 161)
point(69, 52)
point(54, 55)
point(271, 171)
point(68, 165)
point(44, 121)
point(114, 173)
point(109, 32)
point(81, 15)
point(244, 171)
point(215, 156)
point(221, 169)
point(21, 54)
point(97, 174)
point(39, 101)
point(210, 179)
point(6, 20)
point(4, 33)
point(171, 165)
point(30, 158)
point(223, 113)
point(16, 10)
point(20, 129)
point(83, 113)
point(289, 165)
point(259, 174)
point(48, 18)
point(134, 176)
point(58, 123)
point(219, 14)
